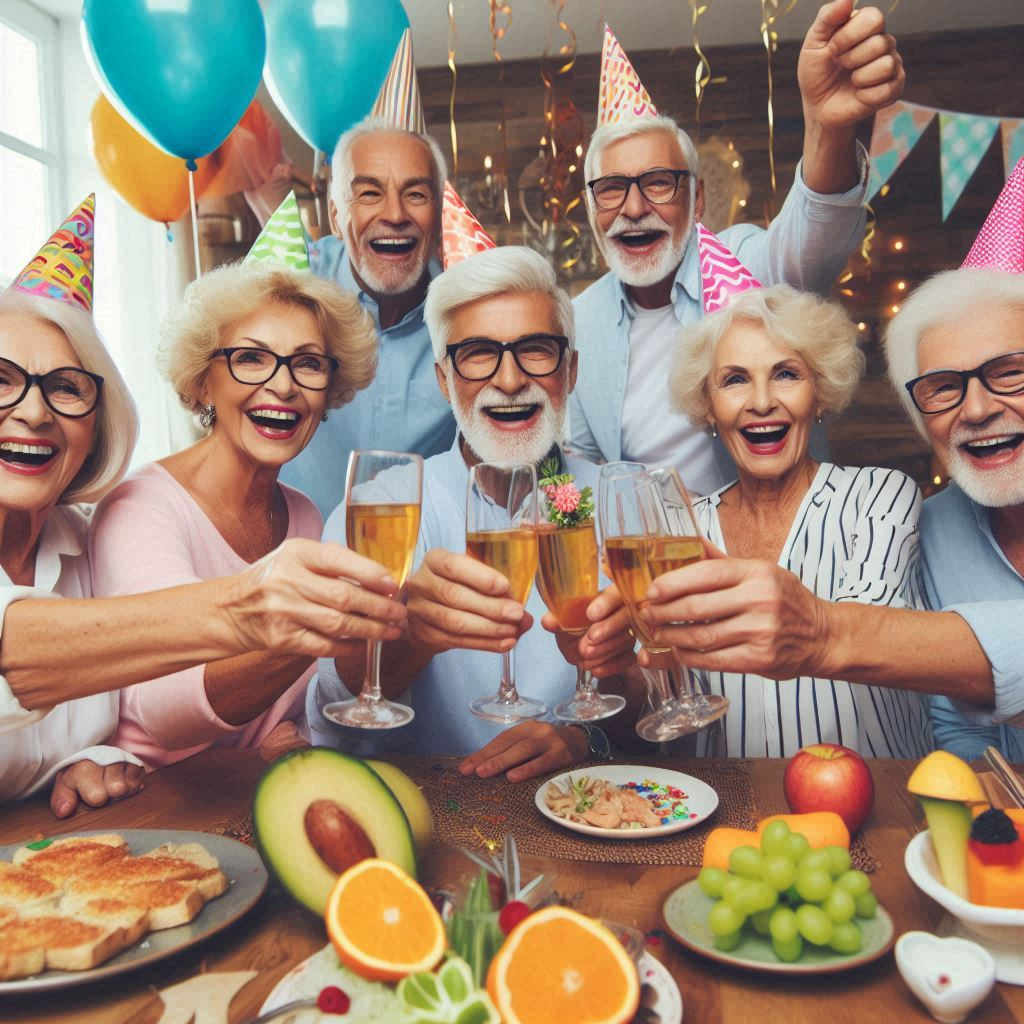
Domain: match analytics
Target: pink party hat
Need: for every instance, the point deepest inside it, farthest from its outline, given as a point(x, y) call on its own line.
point(462, 234)
point(62, 269)
point(399, 98)
point(621, 95)
point(1000, 243)
point(721, 274)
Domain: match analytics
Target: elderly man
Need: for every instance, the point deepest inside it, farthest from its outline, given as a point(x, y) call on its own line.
point(385, 214)
point(643, 198)
point(460, 616)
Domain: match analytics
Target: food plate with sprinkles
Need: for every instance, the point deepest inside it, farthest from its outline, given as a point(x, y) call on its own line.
point(626, 801)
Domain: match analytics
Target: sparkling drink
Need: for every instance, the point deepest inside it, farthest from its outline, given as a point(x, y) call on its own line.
point(513, 553)
point(567, 574)
point(384, 533)
point(667, 553)
point(628, 566)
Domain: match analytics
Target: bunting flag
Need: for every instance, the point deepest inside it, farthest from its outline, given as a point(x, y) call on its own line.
point(963, 141)
point(1013, 142)
point(721, 274)
point(283, 239)
point(399, 98)
point(63, 267)
point(1000, 243)
point(462, 234)
point(895, 133)
point(621, 95)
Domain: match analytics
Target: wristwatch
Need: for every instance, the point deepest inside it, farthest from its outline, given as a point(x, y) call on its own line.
point(599, 747)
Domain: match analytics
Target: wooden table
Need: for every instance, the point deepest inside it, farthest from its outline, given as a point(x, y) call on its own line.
point(211, 790)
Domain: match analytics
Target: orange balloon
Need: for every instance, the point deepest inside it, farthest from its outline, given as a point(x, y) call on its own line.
point(152, 181)
point(250, 156)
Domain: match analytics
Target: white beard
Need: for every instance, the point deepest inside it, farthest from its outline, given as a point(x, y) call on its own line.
point(394, 281)
point(990, 488)
point(642, 271)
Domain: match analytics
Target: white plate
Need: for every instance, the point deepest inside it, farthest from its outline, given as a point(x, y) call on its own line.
point(701, 799)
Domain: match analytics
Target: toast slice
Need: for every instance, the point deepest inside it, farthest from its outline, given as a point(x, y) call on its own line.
point(23, 890)
point(65, 944)
point(205, 868)
point(131, 918)
point(166, 902)
point(68, 858)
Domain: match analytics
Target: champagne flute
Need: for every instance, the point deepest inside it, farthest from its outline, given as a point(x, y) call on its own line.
point(501, 532)
point(383, 491)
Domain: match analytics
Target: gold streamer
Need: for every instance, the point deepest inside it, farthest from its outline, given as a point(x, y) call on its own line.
point(702, 73)
point(770, 38)
point(453, 40)
point(870, 226)
point(504, 9)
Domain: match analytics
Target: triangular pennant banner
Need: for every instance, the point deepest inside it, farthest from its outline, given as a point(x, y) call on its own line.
point(399, 98)
point(1000, 243)
point(963, 140)
point(283, 239)
point(896, 131)
point(721, 274)
point(621, 95)
point(1013, 143)
point(462, 234)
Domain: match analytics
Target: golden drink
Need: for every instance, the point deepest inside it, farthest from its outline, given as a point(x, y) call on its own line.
point(667, 553)
point(513, 553)
point(567, 574)
point(627, 565)
point(384, 533)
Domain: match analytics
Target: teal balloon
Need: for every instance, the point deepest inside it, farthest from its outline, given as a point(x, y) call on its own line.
point(327, 59)
point(182, 72)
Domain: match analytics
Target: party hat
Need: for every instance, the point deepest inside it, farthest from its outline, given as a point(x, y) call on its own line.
point(62, 269)
point(1000, 243)
point(462, 234)
point(721, 274)
point(283, 239)
point(399, 98)
point(621, 95)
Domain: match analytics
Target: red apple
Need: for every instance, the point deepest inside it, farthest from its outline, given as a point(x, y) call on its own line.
point(828, 777)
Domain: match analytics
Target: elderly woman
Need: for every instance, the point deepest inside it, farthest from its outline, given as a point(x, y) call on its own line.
point(759, 374)
point(261, 352)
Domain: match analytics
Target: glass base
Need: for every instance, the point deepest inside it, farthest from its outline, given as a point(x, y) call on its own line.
point(368, 714)
point(677, 718)
point(497, 709)
point(589, 709)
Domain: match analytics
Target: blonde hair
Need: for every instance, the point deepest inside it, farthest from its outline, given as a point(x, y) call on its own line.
point(222, 297)
point(817, 329)
point(117, 423)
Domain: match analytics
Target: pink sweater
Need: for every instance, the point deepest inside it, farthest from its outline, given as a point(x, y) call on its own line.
point(149, 533)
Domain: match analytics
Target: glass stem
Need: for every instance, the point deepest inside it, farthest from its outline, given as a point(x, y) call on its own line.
point(585, 690)
point(507, 692)
point(371, 685)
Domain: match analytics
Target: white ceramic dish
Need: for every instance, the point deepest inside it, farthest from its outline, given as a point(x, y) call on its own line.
point(951, 976)
point(701, 799)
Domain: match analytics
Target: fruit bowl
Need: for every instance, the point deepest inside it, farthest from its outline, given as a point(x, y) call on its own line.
point(1000, 930)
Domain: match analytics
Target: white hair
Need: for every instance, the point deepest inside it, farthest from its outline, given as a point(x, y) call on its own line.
point(508, 269)
point(944, 299)
point(117, 423)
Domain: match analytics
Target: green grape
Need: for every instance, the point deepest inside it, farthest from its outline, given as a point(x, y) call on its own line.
point(760, 896)
point(773, 839)
point(815, 860)
point(814, 924)
point(778, 871)
point(788, 951)
point(839, 905)
point(727, 942)
point(745, 861)
point(760, 921)
point(856, 883)
point(796, 846)
point(731, 889)
point(813, 885)
point(846, 938)
point(791, 896)
point(866, 904)
point(840, 858)
point(724, 919)
point(711, 881)
point(782, 924)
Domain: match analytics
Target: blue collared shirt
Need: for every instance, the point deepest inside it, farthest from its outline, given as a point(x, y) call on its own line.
point(805, 246)
point(964, 570)
point(402, 409)
point(442, 691)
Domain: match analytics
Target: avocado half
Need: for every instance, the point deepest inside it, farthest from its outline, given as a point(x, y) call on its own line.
point(318, 797)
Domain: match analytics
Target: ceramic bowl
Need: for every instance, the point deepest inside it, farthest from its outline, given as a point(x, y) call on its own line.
point(950, 976)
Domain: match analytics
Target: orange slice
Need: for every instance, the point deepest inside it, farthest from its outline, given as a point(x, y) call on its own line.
point(382, 924)
point(557, 966)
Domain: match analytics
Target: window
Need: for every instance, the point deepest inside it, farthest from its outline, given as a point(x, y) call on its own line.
point(31, 165)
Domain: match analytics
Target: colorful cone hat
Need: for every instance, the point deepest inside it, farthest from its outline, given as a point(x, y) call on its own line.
point(1000, 243)
point(621, 95)
point(283, 238)
point(62, 269)
point(462, 234)
point(399, 98)
point(721, 274)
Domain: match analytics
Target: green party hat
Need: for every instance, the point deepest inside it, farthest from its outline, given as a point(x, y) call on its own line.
point(283, 239)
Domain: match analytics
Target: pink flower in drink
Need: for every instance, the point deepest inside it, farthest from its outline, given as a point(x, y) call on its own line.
point(550, 489)
point(566, 498)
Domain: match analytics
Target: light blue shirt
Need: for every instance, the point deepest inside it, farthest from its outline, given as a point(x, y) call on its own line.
point(964, 570)
point(805, 246)
point(440, 694)
point(402, 409)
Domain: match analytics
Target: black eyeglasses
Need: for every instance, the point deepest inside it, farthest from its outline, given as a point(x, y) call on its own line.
point(537, 355)
point(67, 391)
point(946, 389)
point(658, 186)
point(309, 370)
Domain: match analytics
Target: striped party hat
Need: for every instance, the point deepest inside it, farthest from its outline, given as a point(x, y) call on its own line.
point(462, 234)
point(621, 95)
point(721, 274)
point(399, 98)
point(1000, 243)
point(62, 269)
point(283, 239)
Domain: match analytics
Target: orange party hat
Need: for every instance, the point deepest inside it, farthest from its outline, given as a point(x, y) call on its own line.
point(621, 96)
point(462, 234)
point(399, 98)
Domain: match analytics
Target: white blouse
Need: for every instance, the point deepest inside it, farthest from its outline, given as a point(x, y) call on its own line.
point(35, 745)
point(854, 538)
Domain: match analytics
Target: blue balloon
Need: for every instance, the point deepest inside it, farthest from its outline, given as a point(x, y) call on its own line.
point(182, 72)
point(327, 59)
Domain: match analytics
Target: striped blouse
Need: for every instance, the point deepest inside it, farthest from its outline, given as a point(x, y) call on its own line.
point(854, 538)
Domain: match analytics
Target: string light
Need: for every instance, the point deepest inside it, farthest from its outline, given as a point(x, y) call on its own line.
point(894, 309)
point(861, 326)
point(898, 245)
point(901, 286)
point(937, 481)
